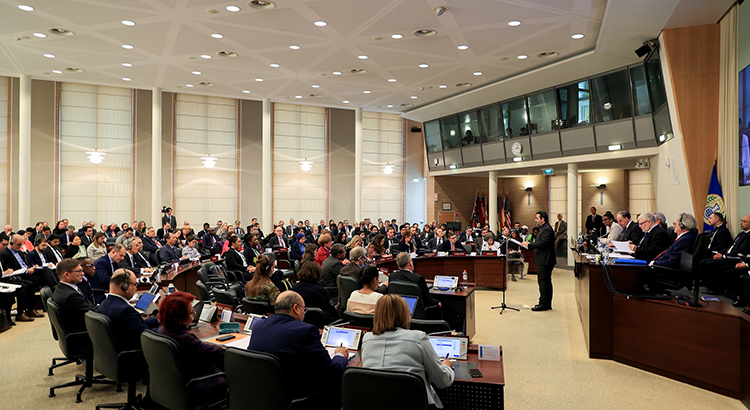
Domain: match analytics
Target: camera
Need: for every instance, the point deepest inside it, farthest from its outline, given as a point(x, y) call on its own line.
point(165, 209)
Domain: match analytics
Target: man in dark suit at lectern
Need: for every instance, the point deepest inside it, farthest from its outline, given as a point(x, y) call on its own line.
point(544, 257)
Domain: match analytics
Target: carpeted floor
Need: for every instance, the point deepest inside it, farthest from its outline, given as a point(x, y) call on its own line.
point(546, 364)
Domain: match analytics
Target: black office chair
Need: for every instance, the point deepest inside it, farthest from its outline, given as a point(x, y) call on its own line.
point(257, 307)
point(286, 269)
point(393, 249)
point(410, 289)
point(413, 396)
point(358, 319)
point(430, 326)
point(315, 316)
point(46, 294)
point(77, 347)
point(168, 385)
point(205, 293)
point(675, 279)
point(227, 298)
point(218, 273)
point(346, 285)
point(122, 366)
point(256, 380)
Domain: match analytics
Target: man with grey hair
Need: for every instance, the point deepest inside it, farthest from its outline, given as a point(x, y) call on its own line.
point(654, 241)
point(661, 219)
point(685, 227)
point(406, 274)
point(630, 232)
point(302, 356)
point(358, 257)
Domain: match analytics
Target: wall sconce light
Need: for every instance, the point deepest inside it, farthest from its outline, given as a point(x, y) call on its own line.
point(601, 188)
point(528, 190)
point(305, 165)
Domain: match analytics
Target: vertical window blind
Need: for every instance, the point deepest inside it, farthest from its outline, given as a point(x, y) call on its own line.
point(382, 144)
point(95, 117)
point(205, 126)
point(4, 146)
point(299, 135)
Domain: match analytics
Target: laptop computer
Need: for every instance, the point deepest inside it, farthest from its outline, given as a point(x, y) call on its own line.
point(411, 301)
point(445, 283)
point(198, 308)
point(452, 347)
point(147, 303)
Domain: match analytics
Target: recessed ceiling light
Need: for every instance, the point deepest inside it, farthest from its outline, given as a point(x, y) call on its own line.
point(297, 96)
point(263, 5)
point(392, 80)
point(345, 101)
point(362, 57)
point(25, 7)
point(315, 86)
point(246, 91)
point(260, 80)
point(126, 79)
point(40, 35)
point(424, 65)
point(522, 57)
point(127, 64)
point(514, 23)
point(233, 9)
point(57, 71)
point(320, 23)
point(129, 23)
point(127, 47)
point(413, 97)
point(274, 65)
point(48, 55)
point(295, 47)
point(463, 47)
point(217, 35)
point(397, 36)
point(477, 73)
point(577, 36)
point(197, 72)
point(206, 56)
point(366, 92)
point(189, 85)
point(337, 73)
point(389, 105)
point(442, 86)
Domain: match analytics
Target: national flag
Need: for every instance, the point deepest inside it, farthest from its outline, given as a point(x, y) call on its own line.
point(714, 201)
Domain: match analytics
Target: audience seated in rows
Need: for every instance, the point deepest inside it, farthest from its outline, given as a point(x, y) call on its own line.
point(315, 295)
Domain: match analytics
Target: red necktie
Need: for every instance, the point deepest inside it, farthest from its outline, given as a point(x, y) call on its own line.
point(453, 246)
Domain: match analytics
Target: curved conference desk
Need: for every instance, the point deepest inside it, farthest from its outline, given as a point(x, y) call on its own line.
point(484, 271)
point(707, 347)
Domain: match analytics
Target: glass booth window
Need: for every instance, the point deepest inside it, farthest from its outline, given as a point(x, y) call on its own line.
point(492, 124)
point(469, 127)
point(451, 132)
point(542, 112)
point(611, 97)
point(640, 90)
point(516, 120)
point(655, 81)
point(432, 136)
point(575, 103)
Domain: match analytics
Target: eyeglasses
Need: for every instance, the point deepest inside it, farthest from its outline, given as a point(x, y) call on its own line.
point(88, 265)
point(77, 270)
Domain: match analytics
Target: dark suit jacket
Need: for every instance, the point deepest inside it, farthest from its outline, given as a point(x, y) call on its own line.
point(594, 223)
point(274, 242)
point(169, 254)
point(433, 242)
point(671, 258)
point(632, 233)
point(73, 307)
point(303, 357)
point(127, 324)
point(406, 276)
point(741, 245)
point(161, 234)
point(85, 241)
point(352, 270)
point(330, 268)
point(104, 270)
point(33, 258)
point(64, 240)
point(149, 244)
point(721, 240)
point(51, 257)
point(134, 263)
point(9, 260)
point(296, 252)
point(315, 295)
point(390, 241)
point(446, 246)
point(87, 290)
point(406, 247)
point(654, 242)
point(171, 219)
point(544, 246)
point(234, 260)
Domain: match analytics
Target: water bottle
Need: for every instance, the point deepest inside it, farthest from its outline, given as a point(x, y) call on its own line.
point(605, 256)
point(465, 278)
point(170, 289)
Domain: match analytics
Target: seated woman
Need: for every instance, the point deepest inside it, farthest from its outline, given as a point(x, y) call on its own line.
point(356, 241)
point(190, 249)
point(531, 238)
point(236, 260)
point(297, 249)
point(363, 300)
point(97, 249)
point(75, 249)
point(310, 250)
point(262, 287)
point(314, 294)
point(324, 251)
point(252, 251)
point(377, 242)
point(392, 346)
point(199, 359)
point(406, 244)
point(489, 243)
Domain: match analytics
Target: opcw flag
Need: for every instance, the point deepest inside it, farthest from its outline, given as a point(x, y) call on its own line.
point(714, 201)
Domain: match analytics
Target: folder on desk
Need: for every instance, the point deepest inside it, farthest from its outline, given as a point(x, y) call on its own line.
point(620, 261)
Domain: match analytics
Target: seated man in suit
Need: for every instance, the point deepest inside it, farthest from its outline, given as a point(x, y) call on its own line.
point(151, 245)
point(390, 239)
point(332, 265)
point(24, 294)
point(210, 239)
point(52, 253)
point(630, 230)
point(12, 258)
point(163, 232)
point(278, 240)
point(43, 275)
point(654, 241)
point(302, 356)
point(416, 240)
point(134, 260)
point(406, 274)
point(73, 305)
point(358, 258)
point(437, 239)
point(85, 285)
point(104, 268)
point(127, 324)
point(451, 245)
point(684, 227)
point(126, 237)
point(88, 236)
point(713, 270)
point(169, 253)
point(721, 238)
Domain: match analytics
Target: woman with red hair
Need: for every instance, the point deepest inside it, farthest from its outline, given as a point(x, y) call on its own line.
point(199, 359)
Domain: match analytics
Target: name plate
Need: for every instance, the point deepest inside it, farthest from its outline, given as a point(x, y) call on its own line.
point(489, 253)
point(459, 254)
point(214, 258)
point(429, 254)
point(282, 250)
point(386, 258)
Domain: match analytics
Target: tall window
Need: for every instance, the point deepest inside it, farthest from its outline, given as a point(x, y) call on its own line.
point(382, 150)
point(299, 135)
point(206, 127)
point(96, 118)
point(4, 145)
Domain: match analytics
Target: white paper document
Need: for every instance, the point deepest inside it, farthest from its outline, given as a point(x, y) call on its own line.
point(622, 247)
point(239, 343)
point(517, 243)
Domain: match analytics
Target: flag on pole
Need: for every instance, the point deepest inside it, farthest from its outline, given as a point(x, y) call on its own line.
point(714, 201)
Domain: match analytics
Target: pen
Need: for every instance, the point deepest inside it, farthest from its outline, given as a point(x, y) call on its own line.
point(446, 356)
